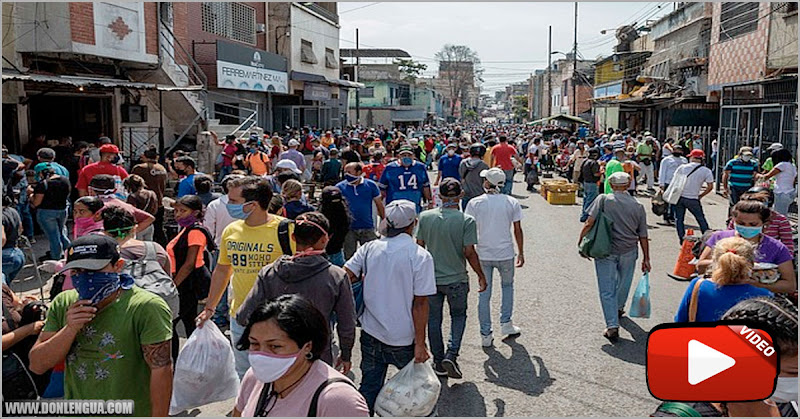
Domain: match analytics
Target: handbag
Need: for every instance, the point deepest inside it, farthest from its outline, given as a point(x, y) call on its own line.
point(675, 188)
point(597, 243)
point(640, 303)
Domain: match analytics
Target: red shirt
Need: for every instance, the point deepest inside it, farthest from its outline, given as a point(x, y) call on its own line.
point(502, 155)
point(100, 168)
point(229, 150)
point(373, 171)
point(429, 143)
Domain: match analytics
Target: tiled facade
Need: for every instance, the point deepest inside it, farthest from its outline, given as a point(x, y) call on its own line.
point(743, 58)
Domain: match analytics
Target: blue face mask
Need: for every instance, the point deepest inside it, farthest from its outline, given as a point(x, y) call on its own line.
point(407, 161)
point(748, 232)
point(350, 178)
point(237, 211)
point(97, 286)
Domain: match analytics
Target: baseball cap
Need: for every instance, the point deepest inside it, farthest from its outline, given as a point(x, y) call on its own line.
point(413, 140)
point(91, 252)
point(399, 214)
point(109, 148)
point(287, 164)
point(405, 149)
point(42, 166)
point(619, 178)
point(775, 146)
point(450, 188)
point(697, 154)
point(747, 152)
point(294, 143)
point(495, 176)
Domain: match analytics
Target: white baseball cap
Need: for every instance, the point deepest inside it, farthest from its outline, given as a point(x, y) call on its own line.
point(775, 146)
point(619, 178)
point(294, 143)
point(495, 176)
point(413, 141)
point(399, 214)
point(287, 164)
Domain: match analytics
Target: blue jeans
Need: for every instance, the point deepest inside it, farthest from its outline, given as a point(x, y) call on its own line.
point(614, 277)
point(506, 269)
point(696, 208)
point(13, 261)
point(590, 190)
point(27, 219)
point(240, 360)
point(509, 182)
point(220, 315)
point(376, 357)
point(783, 201)
point(224, 171)
point(53, 223)
point(456, 295)
point(337, 258)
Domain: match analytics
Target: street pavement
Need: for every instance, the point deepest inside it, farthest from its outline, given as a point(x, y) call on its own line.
point(561, 365)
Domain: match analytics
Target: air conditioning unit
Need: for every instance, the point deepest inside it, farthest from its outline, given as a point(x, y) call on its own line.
point(134, 113)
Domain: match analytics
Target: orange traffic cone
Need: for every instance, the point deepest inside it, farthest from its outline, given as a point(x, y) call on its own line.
point(683, 269)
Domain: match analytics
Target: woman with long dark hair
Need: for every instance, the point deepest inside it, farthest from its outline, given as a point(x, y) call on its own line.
point(334, 207)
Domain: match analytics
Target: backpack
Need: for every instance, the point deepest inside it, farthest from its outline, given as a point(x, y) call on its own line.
point(148, 274)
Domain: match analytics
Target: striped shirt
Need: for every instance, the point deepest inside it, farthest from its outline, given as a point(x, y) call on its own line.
point(741, 173)
point(779, 228)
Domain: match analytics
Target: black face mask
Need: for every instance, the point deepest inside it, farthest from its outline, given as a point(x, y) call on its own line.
point(181, 172)
point(677, 154)
point(283, 177)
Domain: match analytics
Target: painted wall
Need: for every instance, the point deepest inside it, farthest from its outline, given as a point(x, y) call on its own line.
point(748, 51)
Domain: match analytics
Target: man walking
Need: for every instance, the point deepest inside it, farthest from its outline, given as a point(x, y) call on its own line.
point(398, 277)
point(295, 156)
point(48, 155)
point(615, 272)
point(496, 214)
point(360, 194)
point(406, 179)
point(665, 174)
point(109, 154)
point(155, 177)
point(739, 175)
point(450, 236)
point(470, 171)
point(502, 155)
point(590, 176)
point(697, 175)
point(645, 154)
point(187, 167)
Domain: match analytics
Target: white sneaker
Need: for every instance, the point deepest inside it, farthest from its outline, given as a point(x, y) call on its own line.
point(509, 329)
point(487, 341)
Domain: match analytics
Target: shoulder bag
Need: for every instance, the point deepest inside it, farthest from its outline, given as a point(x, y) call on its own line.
point(597, 243)
point(675, 188)
point(693, 300)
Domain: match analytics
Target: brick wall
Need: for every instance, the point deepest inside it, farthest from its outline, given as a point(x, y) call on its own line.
point(82, 22)
point(151, 27)
point(748, 52)
point(206, 55)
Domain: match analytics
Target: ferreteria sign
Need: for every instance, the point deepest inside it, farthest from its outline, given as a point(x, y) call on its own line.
point(244, 68)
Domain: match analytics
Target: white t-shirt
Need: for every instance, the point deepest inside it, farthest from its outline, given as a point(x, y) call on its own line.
point(665, 151)
point(396, 270)
point(784, 180)
point(695, 182)
point(495, 214)
point(217, 217)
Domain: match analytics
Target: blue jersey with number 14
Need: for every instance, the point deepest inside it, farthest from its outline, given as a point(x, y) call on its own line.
point(405, 182)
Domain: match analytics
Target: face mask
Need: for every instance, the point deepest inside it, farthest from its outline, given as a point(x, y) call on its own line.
point(406, 161)
point(283, 177)
point(270, 367)
point(785, 390)
point(350, 178)
point(97, 286)
point(181, 172)
point(237, 211)
point(451, 153)
point(748, 232)
point(746, 158)
point(86, 225)
point(187, 221)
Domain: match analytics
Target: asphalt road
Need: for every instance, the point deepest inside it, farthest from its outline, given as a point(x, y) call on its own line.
point(561, 365)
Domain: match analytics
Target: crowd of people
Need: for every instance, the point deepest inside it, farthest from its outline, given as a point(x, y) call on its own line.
point(295, 240)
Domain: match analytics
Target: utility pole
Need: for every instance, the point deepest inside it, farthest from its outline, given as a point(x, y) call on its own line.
point(549, 79)
point(575, 64)
point(358, 94)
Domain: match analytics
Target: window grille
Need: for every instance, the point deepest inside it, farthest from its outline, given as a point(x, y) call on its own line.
point(235, 21)
point(737, 19)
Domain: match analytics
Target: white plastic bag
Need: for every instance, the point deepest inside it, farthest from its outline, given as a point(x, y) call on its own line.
point(413, 391)
point(204, 371)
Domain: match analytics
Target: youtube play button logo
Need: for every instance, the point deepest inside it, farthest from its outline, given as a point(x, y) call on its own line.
point(710, 362)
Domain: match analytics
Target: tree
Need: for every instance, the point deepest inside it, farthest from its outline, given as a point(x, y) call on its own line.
point(520, 107)
point(459, 66)
point(470, 115)
point(412, 69)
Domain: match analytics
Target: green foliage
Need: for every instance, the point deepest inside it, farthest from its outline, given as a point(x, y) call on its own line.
point(412, 69)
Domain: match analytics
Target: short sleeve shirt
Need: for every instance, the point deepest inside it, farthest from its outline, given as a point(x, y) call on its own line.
point(494, 215)
point(359, 200)
point(100, 168)
point(195, 238)
point(695, 181)
point(446, 232)
point(742, 172)
point(449, 166)
point(55, 193)
point(630, 220)
point(769, 250)
point(503, 154)
point(402, 182)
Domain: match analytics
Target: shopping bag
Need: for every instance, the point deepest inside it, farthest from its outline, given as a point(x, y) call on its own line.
point(640, 304)
point(413, 391)
point(204, 371)
point(597, 242)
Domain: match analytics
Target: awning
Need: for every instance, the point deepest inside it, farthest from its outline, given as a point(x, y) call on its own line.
point(409, 115)
point(95, 81)
point(318, 78)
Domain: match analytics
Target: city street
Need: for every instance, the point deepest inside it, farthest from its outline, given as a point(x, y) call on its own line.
point(561, 365)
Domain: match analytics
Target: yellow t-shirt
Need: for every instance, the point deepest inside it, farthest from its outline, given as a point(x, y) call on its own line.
point(487, 158)
point(248, 249)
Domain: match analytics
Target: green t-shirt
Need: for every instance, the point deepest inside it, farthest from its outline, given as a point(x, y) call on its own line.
point(644, 150)
point(446, 232)
point(613, 166)
point(106, 360)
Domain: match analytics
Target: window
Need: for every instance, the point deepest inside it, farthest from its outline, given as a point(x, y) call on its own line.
point(307, 52)
point(737, 19)
point(235, 21)
point(367, 92)
point(788, 7)
point(330, 59)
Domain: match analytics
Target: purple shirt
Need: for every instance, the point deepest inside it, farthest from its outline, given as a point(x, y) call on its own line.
point(769, 250)
point(294, 156)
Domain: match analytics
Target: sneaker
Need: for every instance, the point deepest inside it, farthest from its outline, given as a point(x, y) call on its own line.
point(439, 370)
point(620, 313)
point(487, 341)
point(451, 366)
point(611, 334)
point(509, 329)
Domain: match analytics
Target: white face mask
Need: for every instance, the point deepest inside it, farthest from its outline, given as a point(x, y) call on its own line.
point(451, 153)
point(785, 390)
point(270, 367)
point(746, 158)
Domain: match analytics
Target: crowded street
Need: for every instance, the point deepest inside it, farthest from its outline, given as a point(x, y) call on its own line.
point(249, 209)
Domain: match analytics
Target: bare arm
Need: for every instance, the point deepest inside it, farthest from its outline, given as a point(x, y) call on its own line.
point(585, 230)
point(704, 262)
point(37, 200)
point(771, 173)
point(426, 192)
point(708, 190)
point(518, 237)
point(52, 347)
point(351, 275)
point(13, 337)
point(380, 207)
point(787, 282)
point(645, 244)
point(188, 265)
point(159, 358)
point(419, 313)
point(724, 182)
point(472, 257)
point(219, 282)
